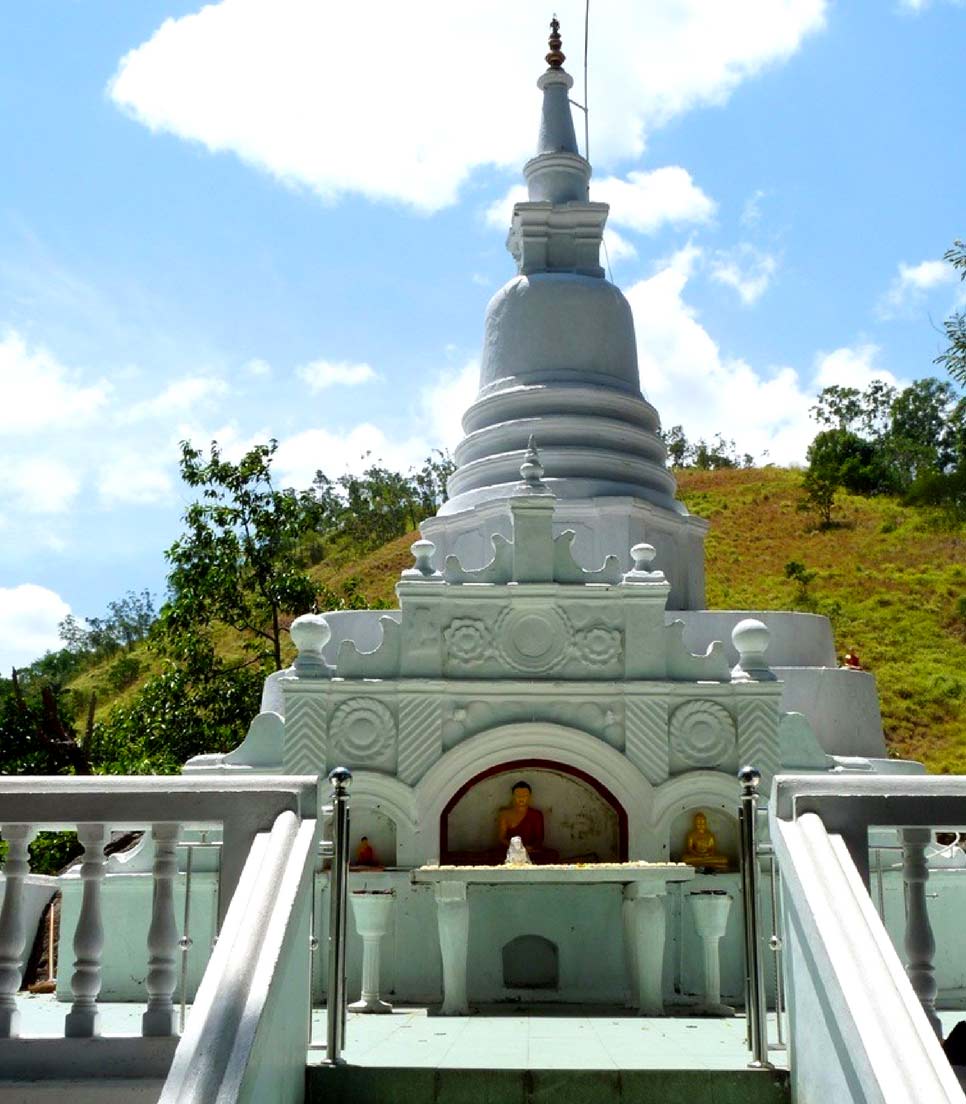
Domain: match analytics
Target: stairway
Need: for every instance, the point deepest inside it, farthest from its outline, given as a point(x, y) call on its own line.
point(415, 1085)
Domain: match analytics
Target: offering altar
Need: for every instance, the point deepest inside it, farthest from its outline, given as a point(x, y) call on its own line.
point(644, 888)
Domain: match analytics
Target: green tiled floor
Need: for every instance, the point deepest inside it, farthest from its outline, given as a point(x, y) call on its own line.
point(507, 1037)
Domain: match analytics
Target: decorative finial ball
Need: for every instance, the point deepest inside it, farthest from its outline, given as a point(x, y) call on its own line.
point(750, 637)
point(341, 778)
point(422, 551)
point(749, 776)
point(310, 633)
point(643, 556)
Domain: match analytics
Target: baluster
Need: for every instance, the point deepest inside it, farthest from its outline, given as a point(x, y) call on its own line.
point(159, 1018)
point(13, 933)
point(83, 1020)
point(920, 943)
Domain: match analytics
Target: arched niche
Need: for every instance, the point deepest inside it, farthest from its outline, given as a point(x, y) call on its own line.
point(724, 826)
point(583, 820)
point(530, 962)
point(533, 740)
point(677, 800)
point(383, 809)
point(380, 832)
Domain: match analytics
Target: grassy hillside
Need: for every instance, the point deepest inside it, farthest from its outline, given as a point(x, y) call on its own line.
point(889, 578)
point(892, 582)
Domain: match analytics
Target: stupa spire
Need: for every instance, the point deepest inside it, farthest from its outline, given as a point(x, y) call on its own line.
point(560, 363)
point(557, 133)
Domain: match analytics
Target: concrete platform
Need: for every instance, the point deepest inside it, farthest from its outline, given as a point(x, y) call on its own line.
point(543, 1037)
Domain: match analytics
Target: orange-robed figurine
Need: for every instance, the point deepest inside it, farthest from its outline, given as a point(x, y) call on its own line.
point(521, 819)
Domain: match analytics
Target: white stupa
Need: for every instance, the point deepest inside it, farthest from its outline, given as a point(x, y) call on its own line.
point(559, 362)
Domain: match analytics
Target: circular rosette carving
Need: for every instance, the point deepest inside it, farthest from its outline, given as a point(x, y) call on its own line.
point(467, 640)
point(598, 645)
point(533, 640)
point(362, 729)
point(702, 734)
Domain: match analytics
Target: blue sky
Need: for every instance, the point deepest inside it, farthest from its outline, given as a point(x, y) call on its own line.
point(285, 218)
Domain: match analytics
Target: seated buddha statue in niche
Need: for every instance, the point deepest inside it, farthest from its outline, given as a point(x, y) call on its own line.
point(701, 848)
point(520, 818)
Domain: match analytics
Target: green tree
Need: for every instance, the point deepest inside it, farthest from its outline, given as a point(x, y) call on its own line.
point(919, 436)
point(854, 411)
point(236, 563)
point(38, 735)
point(802, 577)
point(954, 358)
point(679, 450)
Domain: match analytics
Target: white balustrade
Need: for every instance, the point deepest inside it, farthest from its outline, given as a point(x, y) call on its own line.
point(269, 831)
point(83, 1019)
point(13, 933)
point(919, 942)
point(882, 1039)
point(163, 946)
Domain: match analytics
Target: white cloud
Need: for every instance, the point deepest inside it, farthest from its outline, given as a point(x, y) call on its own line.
point(178, 398)
point(42, 484)
point(29, 615)
point(851, 366)
point(500, 211)
point(751, 211)
point(132, 479)
point(435, 420)
point(41, 393)
point(646, 201)
point(320, 374)
point(300, 456)
point(642, 201)
point(618, 248)
point(746, 269)
point(911, 284)
point(443, 403)
point(257, 367)
point(409, 121)
point(685, 374)
point(917, 6)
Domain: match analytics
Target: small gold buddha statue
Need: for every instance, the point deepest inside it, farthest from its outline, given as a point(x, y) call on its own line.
point(700, 846)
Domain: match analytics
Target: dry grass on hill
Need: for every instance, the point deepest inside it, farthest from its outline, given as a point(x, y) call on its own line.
point(889, 577)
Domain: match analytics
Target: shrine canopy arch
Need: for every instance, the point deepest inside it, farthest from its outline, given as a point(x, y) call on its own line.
point(521, 766)
point(557, 747)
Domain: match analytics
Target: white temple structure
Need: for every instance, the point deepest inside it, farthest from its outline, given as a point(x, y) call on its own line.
point(550, 666)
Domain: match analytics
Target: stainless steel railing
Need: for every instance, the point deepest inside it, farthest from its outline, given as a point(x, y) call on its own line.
point(341, 779)
point(755, 1006)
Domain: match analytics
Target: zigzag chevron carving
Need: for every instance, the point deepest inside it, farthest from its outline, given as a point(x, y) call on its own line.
point(305, 727)
point(758, 736)
point(646, 741)
point(420, 736)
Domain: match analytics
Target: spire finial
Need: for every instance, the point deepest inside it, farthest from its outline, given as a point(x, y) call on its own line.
point(531, 469)
point(556, 57)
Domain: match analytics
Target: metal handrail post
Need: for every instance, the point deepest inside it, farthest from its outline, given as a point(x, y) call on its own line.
point(756, 1009)
point(335, 1016)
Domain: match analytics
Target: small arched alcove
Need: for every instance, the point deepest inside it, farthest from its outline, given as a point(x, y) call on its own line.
point(379, 830)
point(723, 825)
point(530, 962)
point(584, 821)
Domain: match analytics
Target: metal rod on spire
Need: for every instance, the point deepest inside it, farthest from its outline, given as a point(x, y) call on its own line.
point(586, 102)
